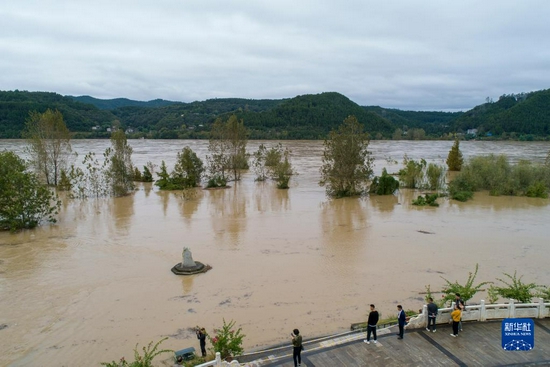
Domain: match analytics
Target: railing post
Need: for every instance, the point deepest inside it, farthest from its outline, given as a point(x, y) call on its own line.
point(511, 309)
point(425, 314)
point(482, 311)
point(218, 359)
point(540, 311)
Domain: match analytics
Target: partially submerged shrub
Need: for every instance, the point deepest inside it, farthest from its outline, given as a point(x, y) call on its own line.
point(428, 199)
point(384, 185)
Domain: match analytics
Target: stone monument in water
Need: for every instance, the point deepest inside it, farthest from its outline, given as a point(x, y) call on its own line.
point(187, 266)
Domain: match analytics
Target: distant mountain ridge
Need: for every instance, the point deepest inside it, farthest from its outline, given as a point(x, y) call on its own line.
point(111, 104)
point(310, 116)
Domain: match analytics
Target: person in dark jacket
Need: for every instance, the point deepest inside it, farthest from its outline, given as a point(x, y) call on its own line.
point(401, 319)
point(296, 347)
point(371, 324)
point(432, 314)
point(459, 302)
point(201, 335)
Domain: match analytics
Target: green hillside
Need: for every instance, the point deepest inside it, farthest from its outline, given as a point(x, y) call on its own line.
point(513, 114)
point(16, 105)
point(517, 116)
point(311, 116)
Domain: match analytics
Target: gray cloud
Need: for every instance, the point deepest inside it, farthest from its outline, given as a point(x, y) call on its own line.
point(418, 55)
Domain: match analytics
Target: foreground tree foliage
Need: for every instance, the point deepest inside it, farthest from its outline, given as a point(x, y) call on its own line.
point(454, 159)
point(24, 201)
point(347, 164)
point(49, 144)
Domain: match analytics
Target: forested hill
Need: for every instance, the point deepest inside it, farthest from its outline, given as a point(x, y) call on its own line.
point(16, 105)
point(311, 117)
point(518, 116)
point(513, 114)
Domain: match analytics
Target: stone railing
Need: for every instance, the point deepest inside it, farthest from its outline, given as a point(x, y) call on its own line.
point(483, 312)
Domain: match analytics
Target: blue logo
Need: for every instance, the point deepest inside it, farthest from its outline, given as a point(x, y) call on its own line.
point(518, 334)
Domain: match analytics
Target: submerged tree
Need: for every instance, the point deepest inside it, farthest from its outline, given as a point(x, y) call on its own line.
point(454, 159)
point(49, 144)
point(188, 169)
point(120, 169)
point(24, 200)
point(227, 148)
point(259, 163)
point(411, 175)
point(281, 170)
point(347, 164)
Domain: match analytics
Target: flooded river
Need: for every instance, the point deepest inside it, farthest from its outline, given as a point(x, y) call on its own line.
point(87, 289)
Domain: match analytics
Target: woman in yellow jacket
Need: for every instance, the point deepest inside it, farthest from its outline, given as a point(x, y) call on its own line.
point(456, 315)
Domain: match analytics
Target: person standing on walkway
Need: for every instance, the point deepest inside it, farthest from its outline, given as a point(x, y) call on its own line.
point(455, 315)
point(432, 314)
point(401, 318)
point(459, 302)
point(297, 347)
point(371, 324)
point(201, 335)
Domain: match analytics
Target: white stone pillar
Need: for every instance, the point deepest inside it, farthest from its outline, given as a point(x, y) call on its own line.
point(541, 309)
point(482, 311)
point(218, 359)
point(511, 309)
point(425, 315)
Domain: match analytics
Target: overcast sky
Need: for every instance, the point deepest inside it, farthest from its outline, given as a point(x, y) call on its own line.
point(406, 54)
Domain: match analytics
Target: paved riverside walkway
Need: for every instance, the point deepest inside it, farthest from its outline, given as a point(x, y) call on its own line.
point(478, 345)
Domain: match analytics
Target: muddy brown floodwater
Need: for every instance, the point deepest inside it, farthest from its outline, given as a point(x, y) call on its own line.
point(90, 287)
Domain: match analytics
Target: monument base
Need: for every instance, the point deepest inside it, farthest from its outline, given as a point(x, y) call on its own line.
point(199, 267)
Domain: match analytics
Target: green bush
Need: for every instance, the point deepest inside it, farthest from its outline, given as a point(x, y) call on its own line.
point(227, 341)
point(216, 181)
point(384, 185)
point(516, 289)
point(537, 190)
point(428, 199)
point(466, 291)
